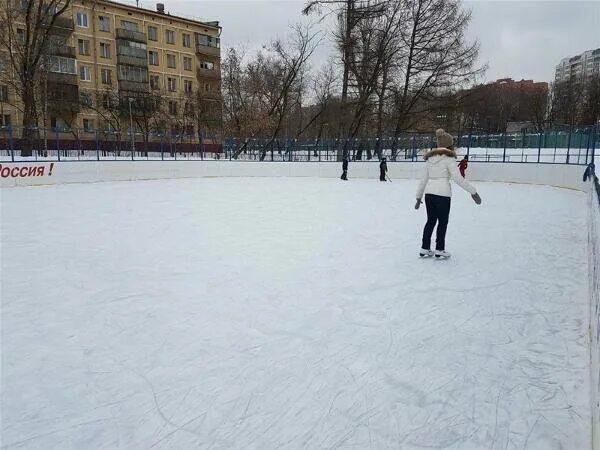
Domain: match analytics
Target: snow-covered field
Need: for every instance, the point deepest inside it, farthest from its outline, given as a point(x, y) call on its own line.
point(291, 313)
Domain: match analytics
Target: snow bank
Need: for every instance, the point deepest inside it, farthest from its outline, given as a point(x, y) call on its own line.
point(31, 174)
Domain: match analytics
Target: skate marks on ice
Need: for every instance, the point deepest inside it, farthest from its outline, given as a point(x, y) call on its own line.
point(208, 314)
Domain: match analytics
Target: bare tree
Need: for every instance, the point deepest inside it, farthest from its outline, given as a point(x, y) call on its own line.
point(263, 94)
point(350, 13)
point(435, 57)
point(567, 102)
point(26, 30)
point(590, 114)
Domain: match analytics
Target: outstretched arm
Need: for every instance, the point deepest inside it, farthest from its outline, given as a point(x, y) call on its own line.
point(458, 179)
point(422, 184)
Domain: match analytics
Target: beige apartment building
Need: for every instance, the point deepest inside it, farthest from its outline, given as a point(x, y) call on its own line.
point(118, 65)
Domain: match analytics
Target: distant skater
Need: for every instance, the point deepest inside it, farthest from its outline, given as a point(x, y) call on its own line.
point(462, 166)
point(345, 168)
point(382, 169)
point(440, 168)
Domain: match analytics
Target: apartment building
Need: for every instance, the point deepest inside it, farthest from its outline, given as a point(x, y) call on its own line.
point(579, 66)
point(112, 63)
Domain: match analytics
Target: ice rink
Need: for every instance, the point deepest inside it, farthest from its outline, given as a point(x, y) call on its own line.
point(292, 313)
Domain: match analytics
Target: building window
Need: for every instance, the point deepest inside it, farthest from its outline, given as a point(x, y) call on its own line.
point(131, 26)
point(84, 46)
point(85, 99)
point(155, 82)
point(84, 73)
point(153, 58)
point(152, 33)
point(105, 76)
point(3, 93)
point(82, 19)
point(134, 49)
point(6, 120)
point(106, 103)
point(171, 61)
point(208, 41)
point(103, 23)
point(133, 73)
point(88, 125)
point(187, 63)
point(104, 50)
point(58, 124)
point(187, 86)
point(60, 64)
point(187, 40)
point(170, 36)
point(172, 107)
point(207, 87)
point(21, 36)
point(171, 84)
point(207, 65)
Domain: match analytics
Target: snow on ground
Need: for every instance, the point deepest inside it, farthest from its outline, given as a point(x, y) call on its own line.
point(291, 313)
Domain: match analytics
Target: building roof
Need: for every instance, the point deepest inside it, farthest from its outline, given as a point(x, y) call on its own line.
point(211, 24)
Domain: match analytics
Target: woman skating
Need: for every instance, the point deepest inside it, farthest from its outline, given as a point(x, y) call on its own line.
point(440, 168)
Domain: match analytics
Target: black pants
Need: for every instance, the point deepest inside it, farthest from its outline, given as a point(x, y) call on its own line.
point(344, 175)
point(438, 210)
point(382, 176)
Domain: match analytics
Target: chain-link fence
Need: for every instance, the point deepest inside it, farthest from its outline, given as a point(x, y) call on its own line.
point(41, 144)
point(559, 146)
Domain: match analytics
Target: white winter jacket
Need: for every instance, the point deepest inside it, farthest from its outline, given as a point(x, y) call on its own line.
point(441, 167)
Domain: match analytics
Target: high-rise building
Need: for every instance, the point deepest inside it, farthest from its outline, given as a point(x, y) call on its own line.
point(579, 66)
point(111, 63)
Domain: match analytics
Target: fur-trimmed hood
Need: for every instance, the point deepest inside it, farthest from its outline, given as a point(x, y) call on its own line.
point(439, 152)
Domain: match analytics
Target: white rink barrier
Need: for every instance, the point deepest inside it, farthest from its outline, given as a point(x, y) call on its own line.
point(594, 286)
point(560, 175)
point(47, 173)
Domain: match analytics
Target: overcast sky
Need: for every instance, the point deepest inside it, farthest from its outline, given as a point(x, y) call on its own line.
point(519, 39)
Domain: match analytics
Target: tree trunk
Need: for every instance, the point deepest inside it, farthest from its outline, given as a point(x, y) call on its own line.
point(30, 131)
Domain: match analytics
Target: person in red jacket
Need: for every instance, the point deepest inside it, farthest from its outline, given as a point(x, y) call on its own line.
point(463, 164)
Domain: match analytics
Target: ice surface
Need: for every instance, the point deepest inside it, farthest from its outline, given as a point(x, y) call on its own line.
point(291, 313)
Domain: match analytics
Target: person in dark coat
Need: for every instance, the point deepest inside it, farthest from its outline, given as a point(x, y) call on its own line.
point(382, 169)
point(463, 164)
point(344, 168)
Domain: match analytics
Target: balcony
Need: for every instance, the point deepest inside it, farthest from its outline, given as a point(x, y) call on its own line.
point(62, 50)
point(125, 50)
point(210, 96)
point(133, 86)
point(62, 78)
point(63, 98)
point(208, 73)
point(129, 35)
point(208, 50)
point(61, 25)
point(132, 61)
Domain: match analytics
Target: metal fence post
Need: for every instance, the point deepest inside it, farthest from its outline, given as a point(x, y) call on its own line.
point(202, 145)
point(594, 137)
point(56, 145)
point(569, 144)
point(132, 143)
point(504, 145)
point(97, 145)
point(469, 142)
point(539, 147)
point(162, 148)
point(10, 144)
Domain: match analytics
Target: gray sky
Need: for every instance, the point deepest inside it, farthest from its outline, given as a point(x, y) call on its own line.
point(519, 39)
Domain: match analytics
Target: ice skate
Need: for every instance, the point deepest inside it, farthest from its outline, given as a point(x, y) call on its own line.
point(442, 254)
point(423, 253)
